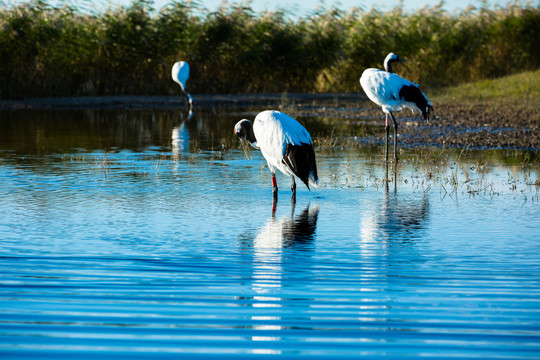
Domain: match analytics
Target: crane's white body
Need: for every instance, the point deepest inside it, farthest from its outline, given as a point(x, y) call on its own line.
point(383, 88)
point(180, 75)
point(274, 130)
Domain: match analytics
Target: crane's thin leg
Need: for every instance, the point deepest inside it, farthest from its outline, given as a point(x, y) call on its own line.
point(293, 189)
point(274, 186)
point(386, 179)
point(387, 130)
point(395, 136)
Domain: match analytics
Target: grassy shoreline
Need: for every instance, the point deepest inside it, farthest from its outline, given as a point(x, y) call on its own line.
point(522, 89)
point(505, 109)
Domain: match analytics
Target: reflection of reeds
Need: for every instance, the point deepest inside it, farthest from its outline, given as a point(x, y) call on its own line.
point(456, 174)
point(103, 165)
point(63, 51)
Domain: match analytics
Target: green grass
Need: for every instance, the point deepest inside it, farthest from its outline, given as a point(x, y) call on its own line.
point(521, 88)
point(64, 51)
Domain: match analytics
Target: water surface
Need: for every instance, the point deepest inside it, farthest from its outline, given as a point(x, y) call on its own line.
point(138, 234)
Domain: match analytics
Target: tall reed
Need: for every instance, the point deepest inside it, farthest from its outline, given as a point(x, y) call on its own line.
point(66, 51)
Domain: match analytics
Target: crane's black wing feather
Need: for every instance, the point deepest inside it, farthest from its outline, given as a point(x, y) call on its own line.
point(301, 160)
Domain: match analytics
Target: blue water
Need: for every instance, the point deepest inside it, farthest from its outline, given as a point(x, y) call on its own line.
point(135, 235)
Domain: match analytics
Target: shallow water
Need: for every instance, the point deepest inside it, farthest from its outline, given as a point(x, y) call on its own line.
point(134, 234)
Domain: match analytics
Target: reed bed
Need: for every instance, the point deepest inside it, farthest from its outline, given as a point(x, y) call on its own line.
point(70, 51)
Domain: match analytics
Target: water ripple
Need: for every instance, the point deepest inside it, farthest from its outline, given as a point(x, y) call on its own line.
point(163, 252)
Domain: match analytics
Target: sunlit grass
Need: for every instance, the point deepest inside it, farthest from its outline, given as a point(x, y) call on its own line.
point(523, 88)
point(65, 51)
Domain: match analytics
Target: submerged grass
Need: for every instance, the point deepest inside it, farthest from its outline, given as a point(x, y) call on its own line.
point(456, 173)
point(67, 51)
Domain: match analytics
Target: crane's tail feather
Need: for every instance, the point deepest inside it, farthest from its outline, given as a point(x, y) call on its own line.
point(429, 111)
point(412, 94)
point(314, 179)
point(301, 160)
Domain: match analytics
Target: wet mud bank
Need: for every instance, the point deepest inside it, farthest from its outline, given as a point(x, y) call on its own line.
point(453, 125)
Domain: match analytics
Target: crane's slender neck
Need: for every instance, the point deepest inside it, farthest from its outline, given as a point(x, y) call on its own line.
point(250, 134)
point(388, 66)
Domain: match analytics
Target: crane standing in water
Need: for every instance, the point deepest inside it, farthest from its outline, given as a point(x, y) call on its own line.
point(180, 75)
point(284, 143)
point(393, 93)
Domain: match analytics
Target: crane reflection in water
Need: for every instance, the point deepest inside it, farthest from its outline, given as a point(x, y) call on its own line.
point(282, 246)
point(180, 135)
point(394, 219)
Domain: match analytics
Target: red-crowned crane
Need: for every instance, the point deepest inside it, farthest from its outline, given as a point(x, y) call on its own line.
point(393, 93)
point(180, 75)
point(284, 143)
point(180, 135)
